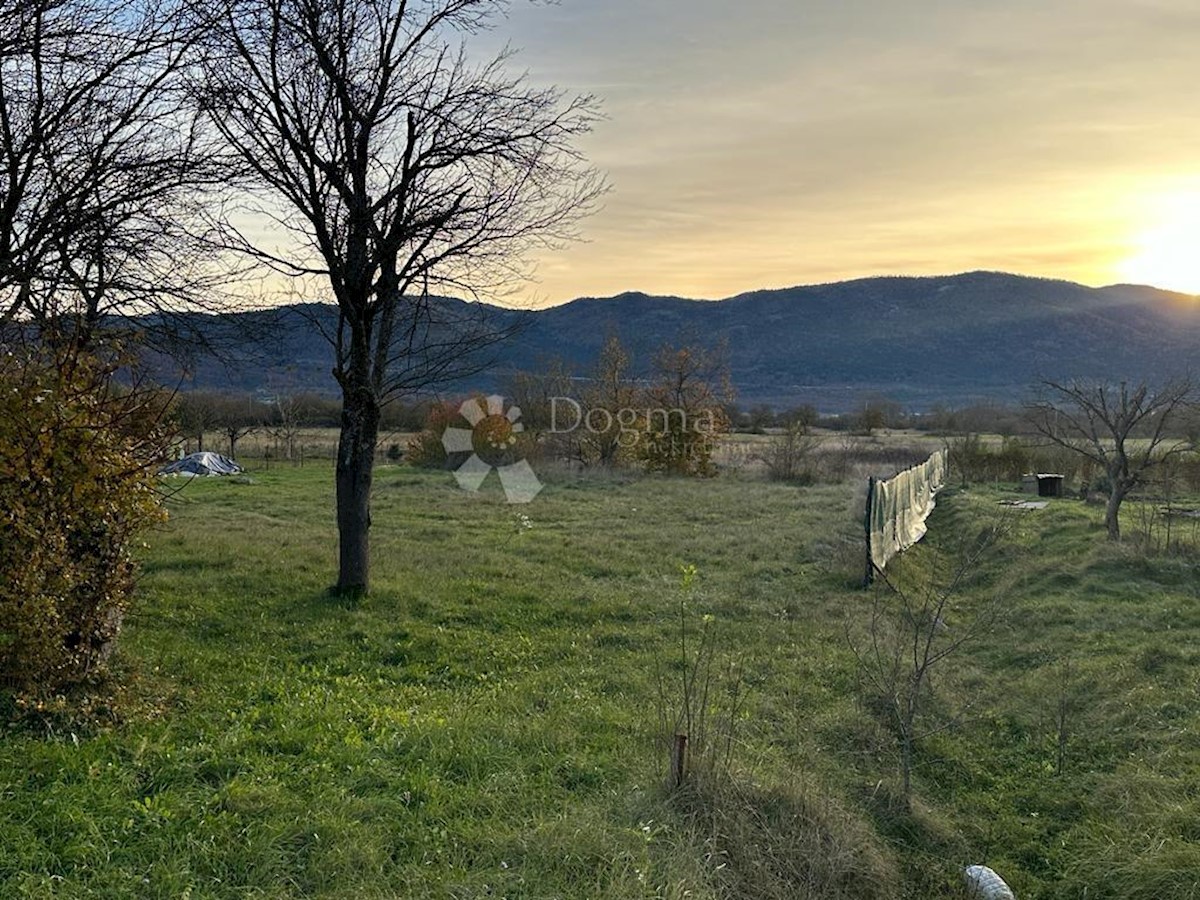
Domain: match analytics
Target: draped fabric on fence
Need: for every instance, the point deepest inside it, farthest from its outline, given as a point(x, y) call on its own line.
point(897, 509)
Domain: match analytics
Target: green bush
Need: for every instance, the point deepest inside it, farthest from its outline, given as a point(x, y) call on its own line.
point(425, 449)
point(679, 449)
point(685, 411)
point(76, 487)
point(974, 461)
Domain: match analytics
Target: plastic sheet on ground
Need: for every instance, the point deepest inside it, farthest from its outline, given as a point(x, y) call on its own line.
point(203, 463)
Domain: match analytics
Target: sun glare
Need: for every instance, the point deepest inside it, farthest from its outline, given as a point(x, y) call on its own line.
point(1167, 253)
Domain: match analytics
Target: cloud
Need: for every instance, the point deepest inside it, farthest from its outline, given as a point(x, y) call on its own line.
point(761, 142)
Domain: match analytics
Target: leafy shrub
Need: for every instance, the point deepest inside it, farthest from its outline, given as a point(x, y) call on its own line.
point(679, 449)
point(685, 412)
point(975, 461)
point(425, 449)
point(76, 487)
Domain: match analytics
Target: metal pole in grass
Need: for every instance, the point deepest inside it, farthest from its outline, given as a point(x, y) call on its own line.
point(869, 575)
point(679, 760)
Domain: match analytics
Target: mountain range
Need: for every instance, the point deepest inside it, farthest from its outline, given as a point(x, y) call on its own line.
point(921, 341)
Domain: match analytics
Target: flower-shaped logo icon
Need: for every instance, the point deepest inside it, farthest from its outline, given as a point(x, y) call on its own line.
point(491, 440)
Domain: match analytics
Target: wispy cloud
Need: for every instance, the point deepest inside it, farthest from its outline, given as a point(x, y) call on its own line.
point(769, 143)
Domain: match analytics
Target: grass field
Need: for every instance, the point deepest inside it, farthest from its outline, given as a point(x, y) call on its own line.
point(486, 723)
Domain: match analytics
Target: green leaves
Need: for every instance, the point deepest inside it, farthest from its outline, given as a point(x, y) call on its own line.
point(76, 462)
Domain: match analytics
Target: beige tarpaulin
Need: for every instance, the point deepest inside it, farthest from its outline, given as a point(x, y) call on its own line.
point(897, 508)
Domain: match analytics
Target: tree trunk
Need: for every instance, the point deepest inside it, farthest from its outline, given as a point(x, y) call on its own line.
point(355, 471)
point(1112, 511)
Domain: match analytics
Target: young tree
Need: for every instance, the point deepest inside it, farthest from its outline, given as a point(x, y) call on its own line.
point(398, 165)
point(912, 633)
point(195, 414)
point(685, 406)
point(286, 419)
point(610, 402)
point(1125, 430)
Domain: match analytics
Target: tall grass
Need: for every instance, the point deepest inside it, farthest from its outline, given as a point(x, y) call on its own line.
point(482, 725)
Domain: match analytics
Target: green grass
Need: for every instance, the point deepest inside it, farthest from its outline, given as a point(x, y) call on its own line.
point(485, 723)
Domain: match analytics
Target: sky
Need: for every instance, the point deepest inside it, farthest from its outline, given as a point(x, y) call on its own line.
point(771, 143)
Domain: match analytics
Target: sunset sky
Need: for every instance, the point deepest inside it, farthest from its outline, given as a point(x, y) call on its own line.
point(769, 143)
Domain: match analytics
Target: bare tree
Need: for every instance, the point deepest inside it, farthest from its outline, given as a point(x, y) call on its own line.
point(790, 456)
point(397, 166)
point(104, 181)
point(1125, 430)
point(614, 392)
point(535, 393)
point(287, 418)
point(286, 412)
point(238, 416)
point(196, 413)
point(910, 635)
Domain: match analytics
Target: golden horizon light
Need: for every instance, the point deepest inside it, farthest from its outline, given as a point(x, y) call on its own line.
point(767, 145)
point(1167, 249)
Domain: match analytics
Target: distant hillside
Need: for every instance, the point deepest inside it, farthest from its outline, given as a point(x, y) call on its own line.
point(921, 341)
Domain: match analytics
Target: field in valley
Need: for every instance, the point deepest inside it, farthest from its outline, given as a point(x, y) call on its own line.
point(487, 723)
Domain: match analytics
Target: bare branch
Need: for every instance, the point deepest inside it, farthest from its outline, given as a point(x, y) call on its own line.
point(404, 168)
point(105, 180)
point(1124, 430)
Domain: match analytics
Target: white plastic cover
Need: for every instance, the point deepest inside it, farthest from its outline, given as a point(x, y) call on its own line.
point(984, 884)
point(204, 463)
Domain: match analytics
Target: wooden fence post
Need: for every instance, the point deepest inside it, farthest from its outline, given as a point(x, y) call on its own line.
point(679, 760)
point(869, 575)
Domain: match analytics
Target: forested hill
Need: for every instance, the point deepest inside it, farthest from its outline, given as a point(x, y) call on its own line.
point(952, 339)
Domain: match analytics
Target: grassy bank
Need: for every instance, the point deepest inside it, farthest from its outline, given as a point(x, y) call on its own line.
point(484, 725)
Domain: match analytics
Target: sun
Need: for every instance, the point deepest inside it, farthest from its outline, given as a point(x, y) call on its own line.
point(1167, 252)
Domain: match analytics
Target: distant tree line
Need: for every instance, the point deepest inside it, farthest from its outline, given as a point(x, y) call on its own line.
point(218, 420)
point(876, 412)
point(663, 414)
